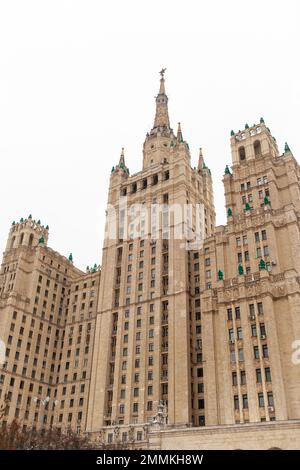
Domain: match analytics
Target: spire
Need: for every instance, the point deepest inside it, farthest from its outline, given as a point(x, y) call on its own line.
point(122, 158)
point(179, 133)
point(162, 116)
point(200, 160)
point(121, 167)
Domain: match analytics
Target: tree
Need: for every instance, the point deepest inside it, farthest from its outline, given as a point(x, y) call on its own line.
point(14, 436)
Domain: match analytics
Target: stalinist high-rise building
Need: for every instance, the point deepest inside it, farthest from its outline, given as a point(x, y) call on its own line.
point(188, 336)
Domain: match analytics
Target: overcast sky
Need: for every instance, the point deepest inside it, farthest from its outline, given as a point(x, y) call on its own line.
point(78, 80)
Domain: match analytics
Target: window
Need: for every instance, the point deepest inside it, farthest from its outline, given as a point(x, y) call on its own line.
point(258, 376)
point(253, 331)
point(242, 153)
point(262, 330)
point(270, 399)
point(239, 333)
point(265, 351)
point(260, 308)
point(257, 148)
point(231, 335)
point(261, 401)
point(243, 377)
point(234, 378)
point(236, 402)
point(229, 314)
point(256, 235)
point(245, 401)
point(237, 313)
point(201, 420)
point(241, 355)
point(268, 374)
point(232, 356)
point(122, 409)
point(264, 235)
point(258, 252)
point(256, 352)
point(266, 250)
point(201, 404)
point(135, 408)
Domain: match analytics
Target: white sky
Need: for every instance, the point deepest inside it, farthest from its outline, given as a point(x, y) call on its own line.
point(78, 80)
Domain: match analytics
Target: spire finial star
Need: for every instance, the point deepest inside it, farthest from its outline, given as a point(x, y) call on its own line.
point(162, 72)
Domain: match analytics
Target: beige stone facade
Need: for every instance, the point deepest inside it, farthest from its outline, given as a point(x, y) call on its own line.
point(47, 322)
point(200, 336)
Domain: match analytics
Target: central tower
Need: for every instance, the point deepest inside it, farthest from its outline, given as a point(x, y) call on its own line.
point(145, 343)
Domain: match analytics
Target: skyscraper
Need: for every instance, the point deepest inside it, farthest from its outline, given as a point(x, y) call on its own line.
point(189, 335)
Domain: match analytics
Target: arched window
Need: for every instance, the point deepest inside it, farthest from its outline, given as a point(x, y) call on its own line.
point(257, 148)
point(242, 153)
point(21, 238)
point(13, 242)
point(31, 239)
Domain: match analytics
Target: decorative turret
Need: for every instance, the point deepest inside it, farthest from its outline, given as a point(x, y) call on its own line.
point(252, 143)
point(70, 258)
point(121, 168)
point(28, 233)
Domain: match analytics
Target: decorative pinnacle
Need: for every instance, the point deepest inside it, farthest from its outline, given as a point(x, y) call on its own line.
point(179, 133)
point(201, 159)
point(122, 157)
